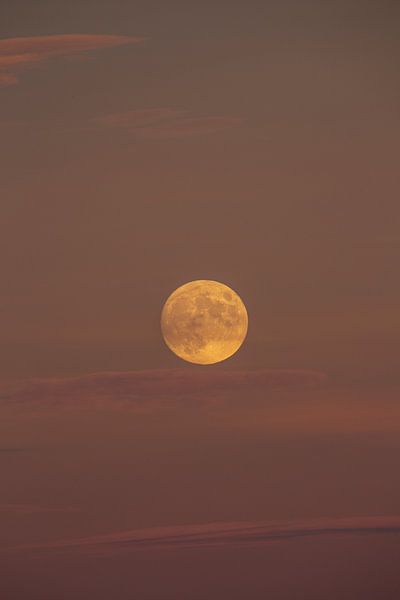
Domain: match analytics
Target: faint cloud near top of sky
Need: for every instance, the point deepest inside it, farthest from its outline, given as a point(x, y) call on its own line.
point(22, 53)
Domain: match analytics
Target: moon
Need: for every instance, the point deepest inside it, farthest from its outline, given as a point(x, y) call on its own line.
point(204, 322)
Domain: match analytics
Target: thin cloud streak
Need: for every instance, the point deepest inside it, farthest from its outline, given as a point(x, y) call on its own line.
point(152, 389)
point(28, 509)
point(281, 402)
point(7, 79)
point(18, 54)
point(234, 534)
point(167, 123)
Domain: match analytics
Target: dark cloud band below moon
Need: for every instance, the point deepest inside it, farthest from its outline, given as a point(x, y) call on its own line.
point(278, 402)
point(138, 388)
point(236, 534)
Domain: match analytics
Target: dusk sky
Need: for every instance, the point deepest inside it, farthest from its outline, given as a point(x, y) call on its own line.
point(146, 144)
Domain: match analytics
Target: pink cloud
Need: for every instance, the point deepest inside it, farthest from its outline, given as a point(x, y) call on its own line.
point(17, 54)
point(290, 402)
point(147, 390)
point(167, 123)
point(223, 534)
point(7, 79)
point(28, 509)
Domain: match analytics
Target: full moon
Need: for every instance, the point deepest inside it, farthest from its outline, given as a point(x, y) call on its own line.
point(204, 322)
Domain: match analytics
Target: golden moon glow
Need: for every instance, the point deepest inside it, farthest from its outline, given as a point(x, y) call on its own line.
point(204, 322)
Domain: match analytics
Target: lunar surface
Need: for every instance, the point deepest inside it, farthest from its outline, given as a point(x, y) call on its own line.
point(204, 322)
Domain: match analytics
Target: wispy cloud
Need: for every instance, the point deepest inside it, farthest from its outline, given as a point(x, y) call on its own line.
point(167, 123)
point(28, 509)
point(18, 54)
point(223, 534)
point(290, 402)
point(7, 79)
point(142, 390)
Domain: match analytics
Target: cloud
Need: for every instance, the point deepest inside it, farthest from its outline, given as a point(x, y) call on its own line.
point(224, 534)
point(142, 390)
point(280, 402)
point(7, 79)
point(167, 123)
point(322, 411)
point(18, 54)
point(28, 509)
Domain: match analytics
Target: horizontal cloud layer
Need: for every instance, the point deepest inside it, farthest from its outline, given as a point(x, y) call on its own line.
point(224, 534)
point(17, 54)
point(141, 389)
point(167, 123)
point(294, 402)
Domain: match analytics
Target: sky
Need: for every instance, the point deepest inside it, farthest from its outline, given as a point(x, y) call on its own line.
point(145, 144)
